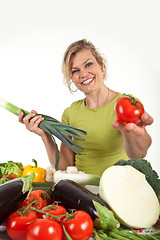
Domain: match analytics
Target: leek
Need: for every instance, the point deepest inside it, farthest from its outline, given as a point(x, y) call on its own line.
point(80, 178)
point(53, 127)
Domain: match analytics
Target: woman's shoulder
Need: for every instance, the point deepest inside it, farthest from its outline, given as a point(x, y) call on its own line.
point(73, 109)
point(74, 105)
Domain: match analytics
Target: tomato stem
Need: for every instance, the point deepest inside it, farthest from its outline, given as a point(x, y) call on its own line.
point(132, 99)
point(23, 211)
point(66, 234)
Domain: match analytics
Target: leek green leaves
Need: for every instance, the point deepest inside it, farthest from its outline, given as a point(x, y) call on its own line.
point(53, 127)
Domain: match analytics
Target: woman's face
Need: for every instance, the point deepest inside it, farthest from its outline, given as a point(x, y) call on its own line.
point(86, 73)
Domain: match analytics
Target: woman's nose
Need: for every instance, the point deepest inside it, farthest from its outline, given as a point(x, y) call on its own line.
point(83, 73)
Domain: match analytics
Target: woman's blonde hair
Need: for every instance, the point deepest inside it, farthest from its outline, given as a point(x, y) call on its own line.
point(70, 53)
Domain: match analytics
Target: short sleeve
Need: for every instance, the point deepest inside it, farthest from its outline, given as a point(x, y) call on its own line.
point(65, 116)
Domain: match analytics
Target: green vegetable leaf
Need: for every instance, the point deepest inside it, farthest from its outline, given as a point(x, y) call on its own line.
point(106, 219)
point(11, 167)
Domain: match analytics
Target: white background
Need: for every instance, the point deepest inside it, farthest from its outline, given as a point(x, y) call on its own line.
point(33, 38)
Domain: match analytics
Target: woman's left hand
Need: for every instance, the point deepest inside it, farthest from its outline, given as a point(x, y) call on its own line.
point(131, 128)
point(136, 140)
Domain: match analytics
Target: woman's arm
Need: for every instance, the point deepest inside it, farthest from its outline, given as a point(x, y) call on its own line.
point(135, 137)
point(66, 154)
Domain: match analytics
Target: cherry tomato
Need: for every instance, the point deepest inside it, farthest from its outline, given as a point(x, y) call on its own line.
point(44, 229)
point(55, 210)
point(80, 227)
point(42, 196)
point(128, 110)
point(16, 225)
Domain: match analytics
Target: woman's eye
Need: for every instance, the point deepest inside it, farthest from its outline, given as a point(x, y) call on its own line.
point(74, 71)
point(89, 64)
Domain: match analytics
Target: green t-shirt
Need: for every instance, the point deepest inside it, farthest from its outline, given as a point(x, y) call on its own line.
point(103, 145)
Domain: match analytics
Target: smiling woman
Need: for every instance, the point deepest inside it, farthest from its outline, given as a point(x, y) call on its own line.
point(94, 56)
point(86, 72)
point(107, 140)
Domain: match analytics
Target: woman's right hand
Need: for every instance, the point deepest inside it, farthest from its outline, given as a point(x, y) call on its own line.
point(32, 121)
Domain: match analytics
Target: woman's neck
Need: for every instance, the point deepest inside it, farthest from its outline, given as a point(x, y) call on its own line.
point(98, 99)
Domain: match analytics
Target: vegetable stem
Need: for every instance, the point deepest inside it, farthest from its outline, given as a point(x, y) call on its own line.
point(106, 220)
point(27, 183)
point(11, 107)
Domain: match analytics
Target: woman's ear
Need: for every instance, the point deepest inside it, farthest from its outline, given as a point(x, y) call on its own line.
point(102, 67)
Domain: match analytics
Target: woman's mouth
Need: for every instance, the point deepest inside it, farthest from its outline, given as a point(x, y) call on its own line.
point(86, 82)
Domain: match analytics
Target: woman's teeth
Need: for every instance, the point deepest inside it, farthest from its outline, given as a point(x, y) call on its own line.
point(87, 81)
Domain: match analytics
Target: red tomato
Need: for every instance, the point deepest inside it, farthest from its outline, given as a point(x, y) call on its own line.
point(42, 196)
point(44, 229)
point(80, 227)
point(16, 225)
point(8, 176)
point(55, 210)
point(36, 203)
point(128, 110)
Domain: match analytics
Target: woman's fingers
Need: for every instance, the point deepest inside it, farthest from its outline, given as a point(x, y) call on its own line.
point(33, 111)
point(129, 128)
point(31, 120)
point(146, 119)
point(34, 122)
point(21, 117)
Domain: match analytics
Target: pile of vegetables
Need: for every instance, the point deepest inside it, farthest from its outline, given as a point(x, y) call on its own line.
point(70, 212)
point(11, 170)
point(127, 200)
point(38, 215)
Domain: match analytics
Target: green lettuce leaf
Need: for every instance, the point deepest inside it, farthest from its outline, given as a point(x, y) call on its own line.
point(15, 168)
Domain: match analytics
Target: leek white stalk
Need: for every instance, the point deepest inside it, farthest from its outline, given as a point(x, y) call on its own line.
point(79, 177)
point(11, 108)
point(53, 127)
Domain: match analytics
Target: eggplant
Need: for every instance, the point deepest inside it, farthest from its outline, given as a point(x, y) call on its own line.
point(13, 193)
point(72, 195)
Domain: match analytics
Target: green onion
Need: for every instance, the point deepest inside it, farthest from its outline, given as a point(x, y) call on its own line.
point(53, 127)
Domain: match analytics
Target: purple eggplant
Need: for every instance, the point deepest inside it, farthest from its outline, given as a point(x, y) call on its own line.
point(13, 193)
point(71, 195)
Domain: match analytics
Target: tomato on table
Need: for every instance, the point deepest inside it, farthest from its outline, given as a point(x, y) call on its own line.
point(128, 109)
point(55, 210)
point(9, 176)
point(32, 202)
point(80, 227)
point(44, 229)
point(42, 196)
point(16, 224)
